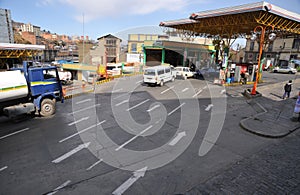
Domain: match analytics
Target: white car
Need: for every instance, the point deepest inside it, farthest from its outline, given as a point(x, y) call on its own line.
point(285, 69)
point(183, 72)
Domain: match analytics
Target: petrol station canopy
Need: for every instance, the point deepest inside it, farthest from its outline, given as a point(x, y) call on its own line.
point(9, 50)
point(237, 21)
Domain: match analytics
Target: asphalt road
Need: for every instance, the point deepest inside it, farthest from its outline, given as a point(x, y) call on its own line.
point(128, 138)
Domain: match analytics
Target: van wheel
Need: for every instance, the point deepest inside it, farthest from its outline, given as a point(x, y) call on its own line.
point(161, 83)
point(47, 107)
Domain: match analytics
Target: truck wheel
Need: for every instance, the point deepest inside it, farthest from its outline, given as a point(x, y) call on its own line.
point(47, 107)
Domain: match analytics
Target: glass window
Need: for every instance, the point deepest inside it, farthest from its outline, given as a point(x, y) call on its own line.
point(296, 44)
point(168, 70)
point(252, 45)
point(150, 72)
point(161, 72)
point(133, 47)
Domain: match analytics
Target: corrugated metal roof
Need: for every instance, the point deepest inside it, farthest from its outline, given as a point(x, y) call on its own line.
point(11, 46)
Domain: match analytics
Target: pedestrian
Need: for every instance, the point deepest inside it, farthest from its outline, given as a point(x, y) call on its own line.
point(297, 107)
point(287, 89)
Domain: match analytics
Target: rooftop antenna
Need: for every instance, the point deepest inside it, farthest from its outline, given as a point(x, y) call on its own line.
point(83, 38)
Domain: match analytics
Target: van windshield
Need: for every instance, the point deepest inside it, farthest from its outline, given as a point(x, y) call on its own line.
point(149, 72)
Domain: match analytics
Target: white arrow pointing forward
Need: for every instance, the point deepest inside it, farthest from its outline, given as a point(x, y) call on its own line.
point(68, 154)
point(129, 182)
point(209, 107)
point(177, 138)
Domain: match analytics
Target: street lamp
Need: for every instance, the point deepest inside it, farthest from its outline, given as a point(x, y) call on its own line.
point(272, 37)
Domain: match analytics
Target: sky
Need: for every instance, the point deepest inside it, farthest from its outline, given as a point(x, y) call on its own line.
point(96, 18)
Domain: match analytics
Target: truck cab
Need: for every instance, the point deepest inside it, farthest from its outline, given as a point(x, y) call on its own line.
point(42, 90)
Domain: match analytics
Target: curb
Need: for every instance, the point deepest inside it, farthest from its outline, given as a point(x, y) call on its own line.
point(260, 133)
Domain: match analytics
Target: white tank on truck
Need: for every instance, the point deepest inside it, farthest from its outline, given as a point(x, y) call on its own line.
point(12, 85)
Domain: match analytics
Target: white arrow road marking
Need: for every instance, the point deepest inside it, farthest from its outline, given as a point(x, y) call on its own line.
point(176, 109)
point(223, 91)
point(121, 146)
point(164, 91)
point(154, 107)
point(99, 161)
point(78, 121)
point(5, 136)
point(122, 95)
point(83, 101)
point(177, 138)
point(123, 102)
point(84, 109)
point(59, 187)
point(185, 89)
point(82, 131)
point(209, 107)
point(137, 105)
point(129, 182)
point(70, 153)
point(3, 168)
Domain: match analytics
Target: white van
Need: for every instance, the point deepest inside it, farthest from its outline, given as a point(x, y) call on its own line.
point(158, 75)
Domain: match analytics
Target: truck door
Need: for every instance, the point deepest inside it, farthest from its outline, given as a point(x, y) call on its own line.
point(44, 81)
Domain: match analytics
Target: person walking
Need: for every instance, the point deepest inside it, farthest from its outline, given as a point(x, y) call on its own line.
point(297, 107)
point(287, 89)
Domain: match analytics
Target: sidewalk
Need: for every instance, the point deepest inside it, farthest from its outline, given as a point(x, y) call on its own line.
point(274, 115)
point(272, 119)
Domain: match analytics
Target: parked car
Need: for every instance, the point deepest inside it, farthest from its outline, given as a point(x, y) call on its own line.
point(184, 72)
point(158, 75)
point(285, 69)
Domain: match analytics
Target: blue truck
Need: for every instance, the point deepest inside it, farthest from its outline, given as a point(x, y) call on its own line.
point(30, 89)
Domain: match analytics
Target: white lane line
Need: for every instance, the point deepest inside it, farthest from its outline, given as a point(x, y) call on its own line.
point(176, 109)
point(185, 89)
point(121, 146)
point(117, 90)
point(123, 102)
point(59, 187)
point(82, 131)
point(3, 168)
point(70, 153)
point(92, 166)
point(83, 101)
point(129, 182)
point(121, 95)
point(177, 138)
point(84, 109)
point(20, 131)
point(78, 121)
point(164, 91)
point(154, 107)
point(138, 105)
point(139, 81)
point(209, 107)
point(200, 91)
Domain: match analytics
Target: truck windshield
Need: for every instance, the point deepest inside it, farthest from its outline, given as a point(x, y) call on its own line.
point(49, 74)
point(149, 72)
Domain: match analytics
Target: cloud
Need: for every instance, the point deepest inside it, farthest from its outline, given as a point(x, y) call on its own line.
point(43, 3)
point(95, 9)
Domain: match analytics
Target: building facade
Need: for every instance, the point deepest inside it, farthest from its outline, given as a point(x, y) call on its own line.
point(6, 28)
point(279, 52)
